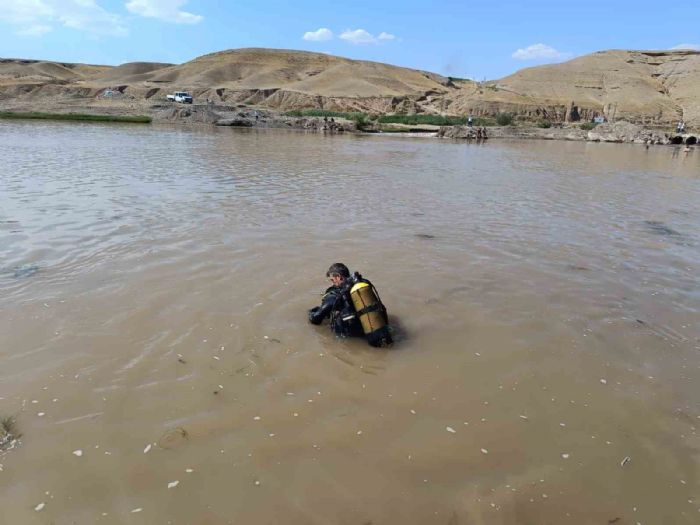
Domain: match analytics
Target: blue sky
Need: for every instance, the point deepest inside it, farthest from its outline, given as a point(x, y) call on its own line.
point(480, 40)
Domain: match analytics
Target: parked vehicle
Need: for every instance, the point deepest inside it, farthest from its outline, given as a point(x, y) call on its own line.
point(181, 96)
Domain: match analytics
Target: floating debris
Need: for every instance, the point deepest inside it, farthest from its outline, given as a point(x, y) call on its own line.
point(78, 452)
point(257, 482)
point(359, 432)
point(604, 382)
point(134, 511)
point(189, 470)
point(523, 417)
point(565, 456)
point(451, 430)
point(9, 437)
point(148, 447)
point(40, 506)
point(626, 460)
point(173, 438)
point(256, 418)
point(484, 451)
point(173, 484)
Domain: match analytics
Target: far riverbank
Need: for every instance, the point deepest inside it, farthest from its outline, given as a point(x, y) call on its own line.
point(255, 117)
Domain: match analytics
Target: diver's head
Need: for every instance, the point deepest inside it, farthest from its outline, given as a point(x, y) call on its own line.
point(338, 273)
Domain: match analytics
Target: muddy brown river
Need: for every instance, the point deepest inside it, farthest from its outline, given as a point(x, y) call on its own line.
point(155, 352)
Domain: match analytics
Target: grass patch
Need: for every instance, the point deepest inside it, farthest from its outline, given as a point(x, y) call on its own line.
point(413, 120)
point(361, 121)
point(587, 126)
point(504, 119)
point(349, 115)
point(83, 117)
point(432, 120)
point(545, 124)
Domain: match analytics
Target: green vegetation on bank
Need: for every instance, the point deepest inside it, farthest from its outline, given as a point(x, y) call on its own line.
point(349, 115)
point(504, 119)
point(432, 120)
point(588, 126)
point(138, 119)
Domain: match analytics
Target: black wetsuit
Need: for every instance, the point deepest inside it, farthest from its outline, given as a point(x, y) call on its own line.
point(336, 304)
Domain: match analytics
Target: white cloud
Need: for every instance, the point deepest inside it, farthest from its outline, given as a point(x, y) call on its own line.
point(166, 10)
point(693, 47)
point(320, 35)
point(34, 30)
point(540, 52)
point(360, 36)
point(33, 17)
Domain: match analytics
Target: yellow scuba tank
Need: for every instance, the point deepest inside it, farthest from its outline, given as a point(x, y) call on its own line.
point(370, 311)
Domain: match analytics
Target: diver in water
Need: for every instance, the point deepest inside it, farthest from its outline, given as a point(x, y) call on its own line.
point(353, 306)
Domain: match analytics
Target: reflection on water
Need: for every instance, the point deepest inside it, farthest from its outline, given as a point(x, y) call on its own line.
point(154, 284)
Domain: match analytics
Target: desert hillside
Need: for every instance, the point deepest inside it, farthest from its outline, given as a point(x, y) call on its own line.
point(643, 86)
point(649, 87)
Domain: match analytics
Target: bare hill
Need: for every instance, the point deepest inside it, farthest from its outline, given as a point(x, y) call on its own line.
point(649, 87)
point(129, 73)
point(642, 86)
point(13, 71)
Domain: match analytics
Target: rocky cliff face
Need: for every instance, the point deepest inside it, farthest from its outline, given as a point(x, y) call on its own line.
point(643, 87)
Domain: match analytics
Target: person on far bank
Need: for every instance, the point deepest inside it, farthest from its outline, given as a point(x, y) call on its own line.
point(353, 307)
point(470, 121)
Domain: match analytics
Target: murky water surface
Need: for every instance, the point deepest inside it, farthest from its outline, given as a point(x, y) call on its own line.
point(153, 294)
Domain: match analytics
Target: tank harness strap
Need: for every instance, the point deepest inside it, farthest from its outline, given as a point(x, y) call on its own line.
point(367, 309)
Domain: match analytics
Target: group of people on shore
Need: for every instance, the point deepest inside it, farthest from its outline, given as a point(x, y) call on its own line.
point(480, 131)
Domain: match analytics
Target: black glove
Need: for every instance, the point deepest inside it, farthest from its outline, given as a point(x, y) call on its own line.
point(313, 315)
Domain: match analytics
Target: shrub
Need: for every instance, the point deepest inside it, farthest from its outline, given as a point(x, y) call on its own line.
point(349, 115)
point(504, 119)
point(544, 124)
point(361, 121)
point(587, 126)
